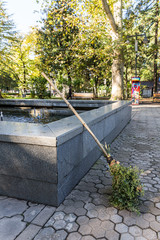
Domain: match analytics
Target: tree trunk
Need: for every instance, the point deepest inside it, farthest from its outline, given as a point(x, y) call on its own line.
point(69, 79)
point(118, 60)
point(96, 87)
point(1, 93)
point(156, 50)
point(117, 78)
point(126, 83)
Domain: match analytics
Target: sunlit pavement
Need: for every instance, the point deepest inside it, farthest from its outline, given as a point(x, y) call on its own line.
point(86, 213)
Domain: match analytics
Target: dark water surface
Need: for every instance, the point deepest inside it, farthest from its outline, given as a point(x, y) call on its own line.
point(29, 115)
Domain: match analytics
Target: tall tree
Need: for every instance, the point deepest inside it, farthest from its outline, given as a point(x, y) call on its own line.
point(93, 61)
point(83, 50)
point(6, 30)
point(115, 18)
point(156, 45)
point(56, 40)
point(6, 38)
point(23, 60)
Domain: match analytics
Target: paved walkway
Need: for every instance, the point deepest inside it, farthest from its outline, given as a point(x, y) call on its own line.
point(86, 213)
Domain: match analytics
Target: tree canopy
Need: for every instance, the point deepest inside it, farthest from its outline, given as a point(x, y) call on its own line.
point(88, 44)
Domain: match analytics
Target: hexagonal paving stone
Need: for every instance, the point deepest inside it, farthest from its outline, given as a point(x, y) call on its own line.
point(79, 204)
point(124, 213)
point(71, 227)
point(59, 235)
point(50, 222)
point(86, 187)
point(77, 195)
point(94, 179)
point(88, 238)
point(58, 216)
point(82, 220)
point(116, 218)
point(98, 186)
point(158, 218)
point(156, 179)
point(80, 211)
point(94, 223)
point(135, 231)
point(140, 222)
point(45, 233)
point(102, 213)
point(112, 235)
point(70, 218)
point(143, 209)
point(158, 205)
point(140, 238)
point(149, 217)
point(60, 208)
point(155, 211)
point(89, 206)
point(153, 189)
point(121, 228)
point(112, 210)
point(155, 226)
point(68, 209)
point(68, 202)
point(126, 236)
point(147, 185)
point(98, 232)
point(74, 236)
point(107, 225)
point(129, 221)
point(101, 200)
point(60, 224)
point(85, 229)
point(149, 234)
point(92, 213)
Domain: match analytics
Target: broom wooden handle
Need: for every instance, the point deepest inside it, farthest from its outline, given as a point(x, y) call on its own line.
point(77, 115)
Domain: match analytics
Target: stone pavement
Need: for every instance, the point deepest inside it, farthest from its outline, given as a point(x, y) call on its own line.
point(86, 213)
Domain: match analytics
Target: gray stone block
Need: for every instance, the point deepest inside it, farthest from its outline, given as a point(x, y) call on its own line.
point(29, 233)
point(11, 207)
point(44, 215)
point(11, 227)
point(70, 181)
point(43, 163)
point(28, 161)
point(32, 212)
point(36, 191)
point(69, 155)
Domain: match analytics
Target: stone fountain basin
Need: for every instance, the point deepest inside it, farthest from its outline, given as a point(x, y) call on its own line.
point(43, 163)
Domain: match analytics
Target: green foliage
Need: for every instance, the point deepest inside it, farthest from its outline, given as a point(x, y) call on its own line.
point(7, 36)
point(74, 46)
point(56, 39)
point(23, 61)
point(140, 17)
point(108, 149)
point(126, 187)
point(6, 31)
point(77, 45)
point(39, 87)
point(146, 74)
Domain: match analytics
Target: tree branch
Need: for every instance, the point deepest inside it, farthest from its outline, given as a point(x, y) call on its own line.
point(110, 16)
